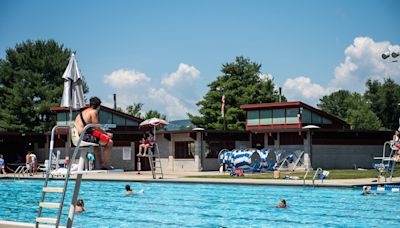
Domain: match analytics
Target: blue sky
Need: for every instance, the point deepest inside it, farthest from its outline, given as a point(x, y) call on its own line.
point(165, 53)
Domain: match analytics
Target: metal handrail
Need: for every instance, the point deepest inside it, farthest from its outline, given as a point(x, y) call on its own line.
point(69, 172)
point(389, 161)
point(315, 174)
point(298, 160)
point(305, 176)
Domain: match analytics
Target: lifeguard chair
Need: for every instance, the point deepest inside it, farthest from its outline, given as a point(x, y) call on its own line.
point(80, 146)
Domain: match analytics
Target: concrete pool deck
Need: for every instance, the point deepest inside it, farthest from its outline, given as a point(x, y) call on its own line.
point(185, 177)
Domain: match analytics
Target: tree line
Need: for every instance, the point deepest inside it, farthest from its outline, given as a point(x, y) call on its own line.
point(31, 83)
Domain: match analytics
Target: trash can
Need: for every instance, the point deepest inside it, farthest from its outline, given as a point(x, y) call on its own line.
point(277, 174)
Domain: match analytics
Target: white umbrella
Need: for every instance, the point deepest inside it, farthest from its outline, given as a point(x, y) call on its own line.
point(153, 122)
point(73, 92)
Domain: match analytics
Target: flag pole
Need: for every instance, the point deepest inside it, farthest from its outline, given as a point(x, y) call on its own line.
point(223, 110)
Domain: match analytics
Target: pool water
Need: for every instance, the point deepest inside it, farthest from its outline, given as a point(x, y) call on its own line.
point(206, 205)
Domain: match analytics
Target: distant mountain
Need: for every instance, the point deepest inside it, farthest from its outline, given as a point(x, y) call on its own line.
point(177, 125)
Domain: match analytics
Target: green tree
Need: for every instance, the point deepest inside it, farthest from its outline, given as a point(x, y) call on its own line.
point(31, 83)
point(154, 114)
point(334, 103)
point(360, 114)
point(241, 84)
point(384, 98)
point(134, 109)
point(352, 108)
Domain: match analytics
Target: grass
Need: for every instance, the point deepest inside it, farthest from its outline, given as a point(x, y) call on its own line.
point(334, 174)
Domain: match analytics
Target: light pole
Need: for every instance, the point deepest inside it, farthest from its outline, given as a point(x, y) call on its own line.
point(222, 105)
point(392, 55)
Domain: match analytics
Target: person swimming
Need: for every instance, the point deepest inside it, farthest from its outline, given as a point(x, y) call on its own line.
point(80, 206)
point(366, 190)
point(129, 191)
point(282, 204)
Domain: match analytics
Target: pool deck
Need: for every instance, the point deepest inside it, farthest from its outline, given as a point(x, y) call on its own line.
point(184, 177)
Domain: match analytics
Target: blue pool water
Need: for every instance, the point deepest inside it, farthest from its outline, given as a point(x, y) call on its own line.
point(207, 205)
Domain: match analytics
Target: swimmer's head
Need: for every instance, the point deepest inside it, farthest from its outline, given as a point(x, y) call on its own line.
point(95, 102)
point(80, 203)
point(128, 187)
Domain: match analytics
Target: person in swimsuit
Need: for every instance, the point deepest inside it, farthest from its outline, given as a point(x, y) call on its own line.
point(146, 142)
point(282, 204)
point(128, 189)
point(2, 165)
point(80, 206)
point(28, 162)
point(95, 134)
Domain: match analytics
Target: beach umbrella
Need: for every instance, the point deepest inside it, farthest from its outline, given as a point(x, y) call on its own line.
point(153, 122)
point(73, 92)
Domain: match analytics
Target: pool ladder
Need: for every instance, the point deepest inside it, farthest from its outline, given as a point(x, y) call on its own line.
point(318, 171)
point(155, 162)
point(62, 190)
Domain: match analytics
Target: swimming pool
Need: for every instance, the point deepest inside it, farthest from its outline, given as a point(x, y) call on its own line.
point(206, 205)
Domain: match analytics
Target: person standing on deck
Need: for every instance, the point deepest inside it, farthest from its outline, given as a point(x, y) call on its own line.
point(2, 164)
point(28, 162)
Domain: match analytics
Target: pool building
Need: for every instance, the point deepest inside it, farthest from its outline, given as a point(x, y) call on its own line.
point(327, 141)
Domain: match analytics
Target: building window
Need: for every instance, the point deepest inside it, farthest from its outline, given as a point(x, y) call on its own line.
point(253, 118)
point(279, 116)
point(316, 119)
point(291, 116)
point(105, 117)
point(184, 149)
point(265, 117)
point(306, 116)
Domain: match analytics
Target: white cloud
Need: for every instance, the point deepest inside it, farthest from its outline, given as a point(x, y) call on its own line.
point(135, 87)
point(363, 61)
point(125, 78)
point(183, 74)
point(266, 76)
point(302, 89)
point(172, 105)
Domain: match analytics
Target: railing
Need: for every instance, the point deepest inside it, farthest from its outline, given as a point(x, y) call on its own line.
point(315, 174)
point(20, 170)
point(305, 176)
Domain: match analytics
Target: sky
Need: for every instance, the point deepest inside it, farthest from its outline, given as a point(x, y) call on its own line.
point(165, 53)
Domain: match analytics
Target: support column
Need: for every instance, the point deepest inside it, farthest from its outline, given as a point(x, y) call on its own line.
point(171, 149)
point(133, 155)
point(307, 151)
point(277, 141)
point(198, 152)
point(266, 140)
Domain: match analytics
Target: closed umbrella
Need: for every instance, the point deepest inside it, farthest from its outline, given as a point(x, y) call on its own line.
point(73, 92)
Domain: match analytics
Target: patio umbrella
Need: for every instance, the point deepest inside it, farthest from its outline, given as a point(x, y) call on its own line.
point(153, 122)
point(73, 92)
